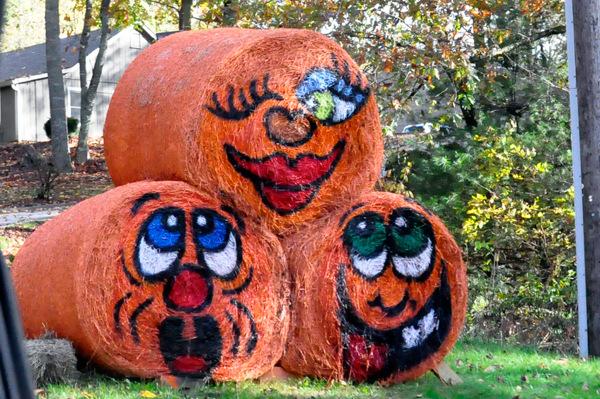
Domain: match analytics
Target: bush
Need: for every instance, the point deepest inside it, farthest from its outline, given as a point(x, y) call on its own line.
point(72, 127)
point(507, 196)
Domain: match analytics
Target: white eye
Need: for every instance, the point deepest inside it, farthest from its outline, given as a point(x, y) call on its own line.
point(201, 220)
point(152, 261)
point(415, 266)
point(343, 109)
point(369, 267)
point(223, 262)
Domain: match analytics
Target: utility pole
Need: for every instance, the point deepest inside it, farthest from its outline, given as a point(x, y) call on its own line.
point(584, 24)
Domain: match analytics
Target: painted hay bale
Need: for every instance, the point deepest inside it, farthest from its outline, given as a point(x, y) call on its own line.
point(379, 293)
point(156, 279)
point(282, 120)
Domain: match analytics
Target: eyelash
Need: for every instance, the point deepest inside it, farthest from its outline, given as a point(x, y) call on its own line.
point(235, 114)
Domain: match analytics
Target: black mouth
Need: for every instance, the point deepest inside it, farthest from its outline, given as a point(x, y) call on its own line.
point(196, 357)
point(371, 355)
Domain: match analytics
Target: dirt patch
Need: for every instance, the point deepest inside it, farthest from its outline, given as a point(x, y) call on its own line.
point(19, 182)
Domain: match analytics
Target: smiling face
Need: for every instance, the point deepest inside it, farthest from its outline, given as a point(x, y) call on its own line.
point(393, 286)
point(281, 122)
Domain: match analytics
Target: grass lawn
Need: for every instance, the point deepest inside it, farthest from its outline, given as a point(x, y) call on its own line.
point(488, 371)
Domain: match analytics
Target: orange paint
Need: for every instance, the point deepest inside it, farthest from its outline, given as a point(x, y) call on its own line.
point(280, 124)
point(155, 278)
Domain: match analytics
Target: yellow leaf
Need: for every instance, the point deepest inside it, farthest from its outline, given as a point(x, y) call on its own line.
point(147, 394)
point(87, 395)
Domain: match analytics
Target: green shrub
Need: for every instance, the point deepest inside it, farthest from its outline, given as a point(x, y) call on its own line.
point(72, 127)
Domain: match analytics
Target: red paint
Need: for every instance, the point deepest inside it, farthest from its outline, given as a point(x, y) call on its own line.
point(284, 171)
point(364, 361)
point(287, 200)
point(189, 364)
point(189, 290)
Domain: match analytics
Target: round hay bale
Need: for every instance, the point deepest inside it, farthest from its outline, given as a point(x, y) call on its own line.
point(155, 278)
point(52, 360)
point(282, 120)
point(379, 293)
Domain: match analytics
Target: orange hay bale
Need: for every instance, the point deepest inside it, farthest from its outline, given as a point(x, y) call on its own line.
point(282, 120)
point(155, 278)
point(379, 293)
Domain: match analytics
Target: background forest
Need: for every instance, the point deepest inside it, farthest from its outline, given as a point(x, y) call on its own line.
point(491, 78)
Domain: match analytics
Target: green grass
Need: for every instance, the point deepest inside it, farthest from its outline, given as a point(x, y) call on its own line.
point(548, 376)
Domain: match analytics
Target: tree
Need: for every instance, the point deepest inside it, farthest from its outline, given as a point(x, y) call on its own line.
point(61, 157)
point(185, 15)
point(88, 91)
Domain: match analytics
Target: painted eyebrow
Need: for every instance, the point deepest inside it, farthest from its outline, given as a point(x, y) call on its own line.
point(345, 215)
point(240, 222)
point(142, 200)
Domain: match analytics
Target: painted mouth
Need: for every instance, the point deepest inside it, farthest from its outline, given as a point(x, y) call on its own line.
point(195, 357)
point(286, 185)
point(372, 355)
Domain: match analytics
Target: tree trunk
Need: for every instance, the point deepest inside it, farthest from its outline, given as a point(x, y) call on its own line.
point(88, 93)
point(185, 15)
point(587, 69)
point(61, 158)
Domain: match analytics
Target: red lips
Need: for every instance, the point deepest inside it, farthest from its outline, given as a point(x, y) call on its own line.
point(286, 184)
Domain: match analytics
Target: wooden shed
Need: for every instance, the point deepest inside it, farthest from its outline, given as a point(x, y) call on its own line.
point(24, 99)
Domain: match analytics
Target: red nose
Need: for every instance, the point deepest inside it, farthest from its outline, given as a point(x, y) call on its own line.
point(189, 290)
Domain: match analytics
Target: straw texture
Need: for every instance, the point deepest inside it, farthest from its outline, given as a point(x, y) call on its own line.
point(379, 292)
point(155, 278)
point(280, 124)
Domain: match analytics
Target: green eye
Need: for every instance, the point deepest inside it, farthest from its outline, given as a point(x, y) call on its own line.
point(322, 105)
point(412, 244)
point(365, 234)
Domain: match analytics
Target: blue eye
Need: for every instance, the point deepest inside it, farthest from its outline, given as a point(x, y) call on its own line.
point(218, 244)
point(160, 244)
point(212, 231)
point(331, 98)
point(165, 230)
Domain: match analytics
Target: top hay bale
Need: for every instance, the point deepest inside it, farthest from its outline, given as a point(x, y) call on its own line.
point(281, 124)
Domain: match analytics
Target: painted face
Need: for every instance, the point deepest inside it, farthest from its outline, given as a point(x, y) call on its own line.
point(192, 285)
point(399, 286)
point(159, 279)
point(280, 122)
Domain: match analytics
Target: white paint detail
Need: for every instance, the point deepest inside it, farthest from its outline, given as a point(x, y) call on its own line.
point(223, 262)
point(172, 221)
point(414, 337)
point(362, 225)
point(343, 109)
point(591, 198)
point(201, 221)
point(369, 267)
point(415, 266)
point(152, 261)
point(400, 222)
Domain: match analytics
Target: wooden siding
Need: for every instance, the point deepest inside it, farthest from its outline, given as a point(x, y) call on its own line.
point(33, 108)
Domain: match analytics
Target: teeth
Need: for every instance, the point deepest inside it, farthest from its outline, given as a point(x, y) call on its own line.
point(414, 336)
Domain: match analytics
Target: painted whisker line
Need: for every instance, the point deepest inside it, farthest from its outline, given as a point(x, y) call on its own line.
point(236, 334)
point(253, 333)
point(242, 287)
point(134, 316)
point(117, 312)
point(131, 279)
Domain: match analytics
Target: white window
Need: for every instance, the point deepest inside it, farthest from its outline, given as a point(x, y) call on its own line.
point(74, 102)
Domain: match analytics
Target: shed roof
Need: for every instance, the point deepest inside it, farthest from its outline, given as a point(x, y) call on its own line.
point(32, 60)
